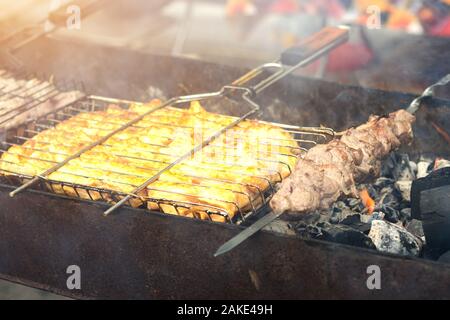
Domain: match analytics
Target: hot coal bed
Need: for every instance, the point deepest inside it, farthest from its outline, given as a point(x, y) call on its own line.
point(155, 256)
point(382, 218)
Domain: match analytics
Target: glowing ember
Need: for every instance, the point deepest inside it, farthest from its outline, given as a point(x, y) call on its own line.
point(368, 202)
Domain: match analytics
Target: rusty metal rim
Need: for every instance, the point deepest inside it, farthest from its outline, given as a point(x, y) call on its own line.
point(312, 242)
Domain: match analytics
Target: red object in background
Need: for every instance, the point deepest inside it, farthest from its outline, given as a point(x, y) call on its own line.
point(329, 8)
point(345, 59)
point(237, 7)
point(349, 57)
point(442, 29)
point(284, 6)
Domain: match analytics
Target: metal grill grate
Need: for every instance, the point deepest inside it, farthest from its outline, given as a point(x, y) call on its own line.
point(27, 97)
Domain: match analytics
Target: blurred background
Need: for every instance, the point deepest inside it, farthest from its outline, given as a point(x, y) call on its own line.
point(396, 45)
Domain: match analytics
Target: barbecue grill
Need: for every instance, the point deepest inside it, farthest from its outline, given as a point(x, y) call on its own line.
point(133, 254)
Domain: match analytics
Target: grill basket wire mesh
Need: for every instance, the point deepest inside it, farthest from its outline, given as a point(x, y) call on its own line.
point(23, 93)
point(306, 137)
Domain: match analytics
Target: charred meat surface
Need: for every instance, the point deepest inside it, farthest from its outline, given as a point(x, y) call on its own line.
point(328, 172)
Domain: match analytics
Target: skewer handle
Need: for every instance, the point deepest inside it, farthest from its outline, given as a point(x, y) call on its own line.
point(427, 93)
point(313, 44)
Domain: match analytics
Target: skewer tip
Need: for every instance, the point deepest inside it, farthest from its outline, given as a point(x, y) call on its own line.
point(218, 253)
point(223, 249)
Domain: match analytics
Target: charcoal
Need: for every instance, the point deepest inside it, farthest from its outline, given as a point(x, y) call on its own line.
point(308, 218)
point(399, 167)
point(405, 169)
point(390, 196)
point(373, 193)
point(416, 228)
point(366, 218)
point(352, 202)
point(391, 238)
point(307, 231)
point(313, 218)
point(390, 214)
point(280, 226)
point(413, 167)
point(336, 233)
point(362, 226)
point(405, 214)
point(340, 205)
point(383, 182)
point(388, 166)
point(390, 227)
point(352, 219)
point(445, 258)
point(355, 204)
point(404, 187)
point(340, 213)
point(344, 235)
point(334, 219)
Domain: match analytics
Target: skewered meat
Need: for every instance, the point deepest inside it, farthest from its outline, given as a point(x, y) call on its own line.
point(329, 171)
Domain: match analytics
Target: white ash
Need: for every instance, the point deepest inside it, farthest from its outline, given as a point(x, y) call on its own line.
point(404, 187)
point(422, 169)
point(441, 163)
point(390, 238)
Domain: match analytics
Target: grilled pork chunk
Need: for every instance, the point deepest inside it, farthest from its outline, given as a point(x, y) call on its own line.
point(328, 172)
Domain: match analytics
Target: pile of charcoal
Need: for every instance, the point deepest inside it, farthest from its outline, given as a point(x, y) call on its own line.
point(386, 226)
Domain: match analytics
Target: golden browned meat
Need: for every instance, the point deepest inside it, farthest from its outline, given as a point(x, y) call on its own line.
point(329, 171)
point(225, 178)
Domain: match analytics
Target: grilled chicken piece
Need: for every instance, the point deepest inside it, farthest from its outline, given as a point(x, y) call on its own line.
point(329, 171)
